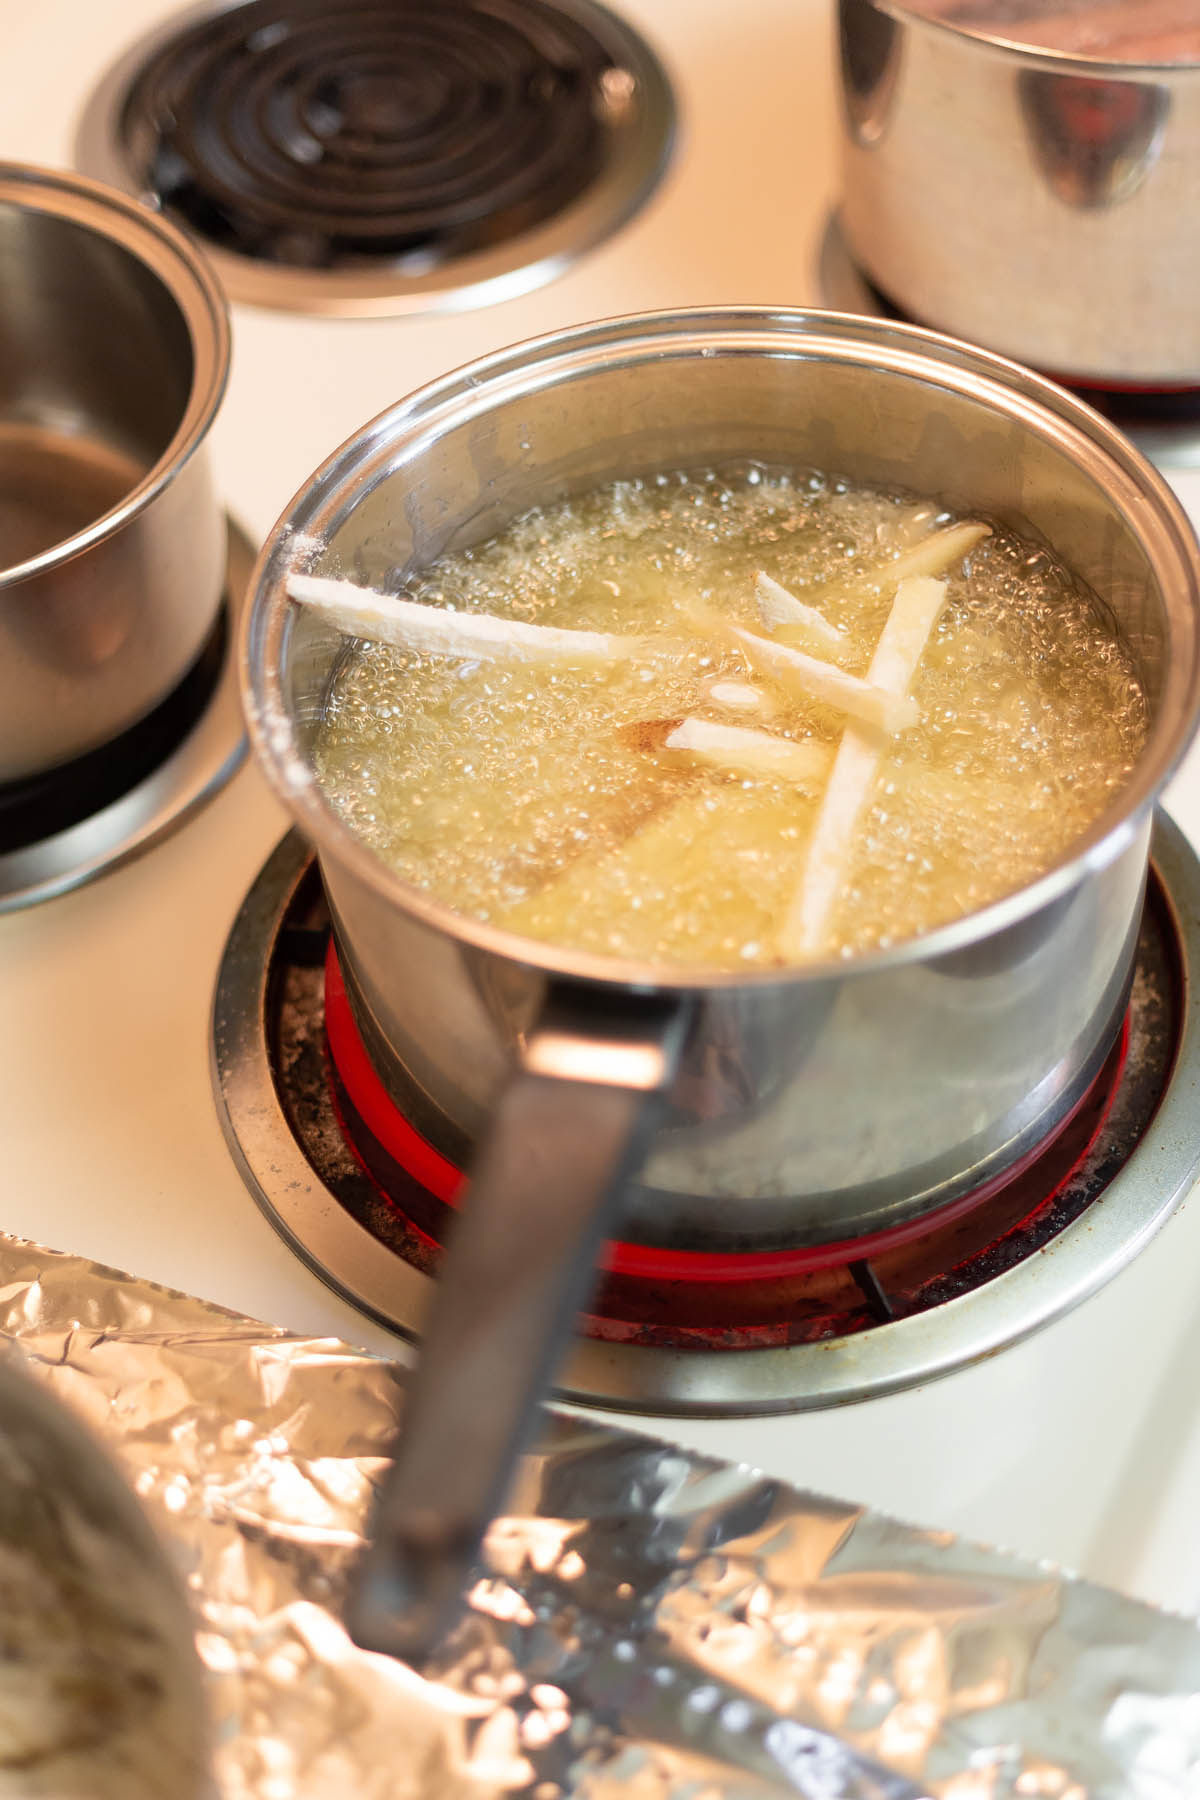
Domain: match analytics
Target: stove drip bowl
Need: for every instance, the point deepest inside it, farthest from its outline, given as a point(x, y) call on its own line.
point(68, 825)
point(366, 156)
point(364, 1198)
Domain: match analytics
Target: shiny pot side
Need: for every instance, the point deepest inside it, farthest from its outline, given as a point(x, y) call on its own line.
point(802, 1112)
point(701, 1107)
point(1028, 200)
point(114, 354)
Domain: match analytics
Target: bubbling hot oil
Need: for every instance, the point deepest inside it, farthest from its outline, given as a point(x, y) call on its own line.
point(527, 796)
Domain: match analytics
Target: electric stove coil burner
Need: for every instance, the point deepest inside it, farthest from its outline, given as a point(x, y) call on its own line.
point(741, 1300)
point(727, 1339)
point(433, 143)
point(313, 136)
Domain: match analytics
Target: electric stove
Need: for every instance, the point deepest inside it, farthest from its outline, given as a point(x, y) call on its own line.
point(1079, 1442)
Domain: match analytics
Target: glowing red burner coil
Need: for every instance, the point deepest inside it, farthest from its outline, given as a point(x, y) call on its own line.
point(387, 1125)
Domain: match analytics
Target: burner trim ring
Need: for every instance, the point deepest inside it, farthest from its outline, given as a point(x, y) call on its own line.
point(645, 142)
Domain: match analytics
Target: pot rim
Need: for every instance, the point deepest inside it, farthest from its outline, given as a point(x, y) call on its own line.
point(399, 433)
point(1047, 56)
point(182, 270)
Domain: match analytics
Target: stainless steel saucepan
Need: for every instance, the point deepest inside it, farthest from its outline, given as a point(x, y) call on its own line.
point(1024, 173)
point(714, 1109)
point(114, 352)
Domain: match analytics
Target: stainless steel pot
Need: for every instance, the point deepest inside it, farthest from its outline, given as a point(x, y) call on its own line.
point(816, 1104)
point(1030, 197)
point(114, 352)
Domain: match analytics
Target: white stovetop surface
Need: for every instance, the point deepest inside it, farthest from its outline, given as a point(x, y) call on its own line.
point(1083, 1444)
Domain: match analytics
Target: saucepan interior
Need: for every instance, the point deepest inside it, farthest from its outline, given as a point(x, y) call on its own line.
point(987, 1026)
point(95, 383)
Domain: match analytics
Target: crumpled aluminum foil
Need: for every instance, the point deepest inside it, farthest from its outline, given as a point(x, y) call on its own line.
point(653, 1624)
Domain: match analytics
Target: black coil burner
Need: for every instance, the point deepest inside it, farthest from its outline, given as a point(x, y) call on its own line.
point(318, 135)
point(367, 134)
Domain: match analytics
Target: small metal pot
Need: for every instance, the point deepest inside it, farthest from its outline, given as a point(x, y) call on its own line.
point(1033, 199)
point(114, 353)
point(862, 1092)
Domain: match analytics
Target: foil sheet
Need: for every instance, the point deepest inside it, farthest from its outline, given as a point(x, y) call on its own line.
point(650, 1624)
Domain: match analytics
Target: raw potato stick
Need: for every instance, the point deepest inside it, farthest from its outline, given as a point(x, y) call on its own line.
point(915, 611)
point(831, 686)
point(436, 631)
point(740, 696)
point(932, 555)
point(755, 753)
point(777, 607)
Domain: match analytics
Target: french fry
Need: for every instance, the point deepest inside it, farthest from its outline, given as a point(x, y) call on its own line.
point(740, 697)
point(776, 607)
point(915, 611)
point(932, 555)
point(760, 754)
point(437, 631)
point(812, 679)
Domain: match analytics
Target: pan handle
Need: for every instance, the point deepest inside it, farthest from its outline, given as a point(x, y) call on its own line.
point(572, 1124)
